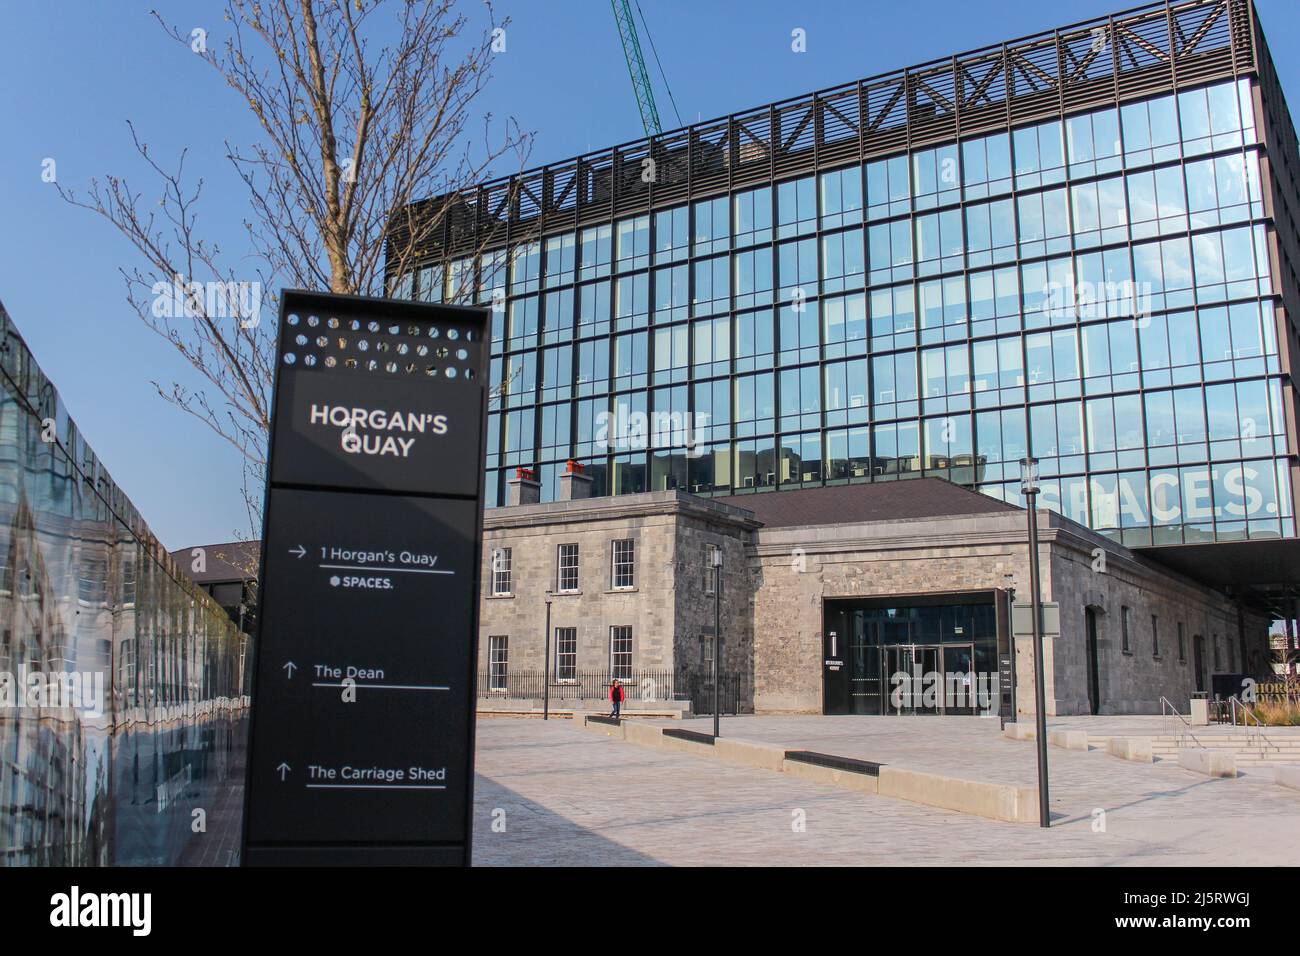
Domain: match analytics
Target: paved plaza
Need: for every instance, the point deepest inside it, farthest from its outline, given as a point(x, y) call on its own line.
point(554, 794)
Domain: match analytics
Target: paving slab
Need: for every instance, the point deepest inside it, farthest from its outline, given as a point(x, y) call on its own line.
point(552, 794)
point(975, 748)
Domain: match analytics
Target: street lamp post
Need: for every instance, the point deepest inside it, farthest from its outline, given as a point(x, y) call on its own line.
point(1029, 487)
point(715, 556)
point(546, 671)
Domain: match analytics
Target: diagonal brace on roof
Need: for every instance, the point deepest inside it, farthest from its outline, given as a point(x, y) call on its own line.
point(935, 95)
point(1201, 31)
point(888, 108)
point(741, 127)
point(981, 90)
point(798, 130)
point(1081, 65)
point(1143, 43)
point(830, 108)
point(1028, 67)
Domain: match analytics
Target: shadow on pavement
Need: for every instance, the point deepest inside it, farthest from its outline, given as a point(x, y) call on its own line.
point(511, 830)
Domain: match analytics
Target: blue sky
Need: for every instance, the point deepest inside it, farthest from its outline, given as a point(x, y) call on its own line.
point(72, 74)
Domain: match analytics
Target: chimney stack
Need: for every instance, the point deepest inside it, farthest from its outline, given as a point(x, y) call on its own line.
point(525, 489)
point(575, 483)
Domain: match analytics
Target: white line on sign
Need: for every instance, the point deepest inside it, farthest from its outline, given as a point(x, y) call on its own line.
point(375, 786)
point(353, 567)
point(385, 686)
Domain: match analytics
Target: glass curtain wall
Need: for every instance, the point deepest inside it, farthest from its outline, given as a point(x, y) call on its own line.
point(1094, 290)
point(123, 690)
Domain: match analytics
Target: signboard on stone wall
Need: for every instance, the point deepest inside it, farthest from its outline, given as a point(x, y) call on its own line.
point(1022, 619)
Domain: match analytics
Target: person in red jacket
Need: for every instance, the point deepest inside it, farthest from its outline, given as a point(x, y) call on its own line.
point(616, 697)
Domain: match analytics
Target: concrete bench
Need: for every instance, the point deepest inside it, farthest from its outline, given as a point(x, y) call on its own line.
point(609, 726)
point(997, 801)
point(694, 736)
point(685, 741)
point(1210, 762)
point(852, 764)
point(1068, 739)
point(835, 776)
point(1019, 731)
point(749, 753)
point(1130, 748)
point(647, 735)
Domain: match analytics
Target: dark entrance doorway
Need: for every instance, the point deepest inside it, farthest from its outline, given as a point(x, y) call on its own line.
point(924, 654)
point(866, 687)
point(850, 662)
point(1094, 678)
point(1198, 660)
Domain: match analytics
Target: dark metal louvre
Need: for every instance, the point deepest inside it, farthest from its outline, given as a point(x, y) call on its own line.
point(1125, 56)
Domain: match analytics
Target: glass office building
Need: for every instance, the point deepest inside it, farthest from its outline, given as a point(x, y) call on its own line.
point(1077, 245)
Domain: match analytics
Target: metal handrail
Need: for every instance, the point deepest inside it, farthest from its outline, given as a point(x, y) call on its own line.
point(1261, 740)
point(1166, 706)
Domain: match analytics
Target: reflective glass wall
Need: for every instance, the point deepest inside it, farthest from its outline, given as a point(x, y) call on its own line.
point(1094, 290)
point(123, 691)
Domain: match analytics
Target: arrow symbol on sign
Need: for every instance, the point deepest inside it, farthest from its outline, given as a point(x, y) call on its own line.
point(290, 667)
point(299, 551)
point(283, 768)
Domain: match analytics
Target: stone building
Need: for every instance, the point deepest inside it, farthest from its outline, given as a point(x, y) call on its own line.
point(627, 579)
point(841, 599)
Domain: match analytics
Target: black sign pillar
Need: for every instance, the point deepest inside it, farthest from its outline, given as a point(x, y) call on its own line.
point(1006, 657)
point(361, 745)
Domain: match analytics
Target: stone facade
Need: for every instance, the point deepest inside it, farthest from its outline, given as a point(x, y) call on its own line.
point(667, 607)
point(694, 610)
point(1160, 606)
point(775, 581)
point(796, 569)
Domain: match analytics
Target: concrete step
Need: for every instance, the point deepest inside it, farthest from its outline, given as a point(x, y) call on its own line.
point(1100, 742)
point(1207, 745)
point(1255, 749)
point(1266, 756)
point(1243, 738)
point(1241, 756)
point(1158, 748)
point(1229, 742)
point(1273, 751)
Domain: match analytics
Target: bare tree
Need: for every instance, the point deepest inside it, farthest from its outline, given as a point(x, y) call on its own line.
point(365, 108)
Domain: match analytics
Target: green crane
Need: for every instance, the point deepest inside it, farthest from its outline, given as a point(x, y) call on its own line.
point(645, 96)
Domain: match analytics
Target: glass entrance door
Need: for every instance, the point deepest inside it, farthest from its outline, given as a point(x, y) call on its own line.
point(959, 686)
point(896, 670)
point(929, 679)
point(909, 672)
point(866, 689)
point(927, 688)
